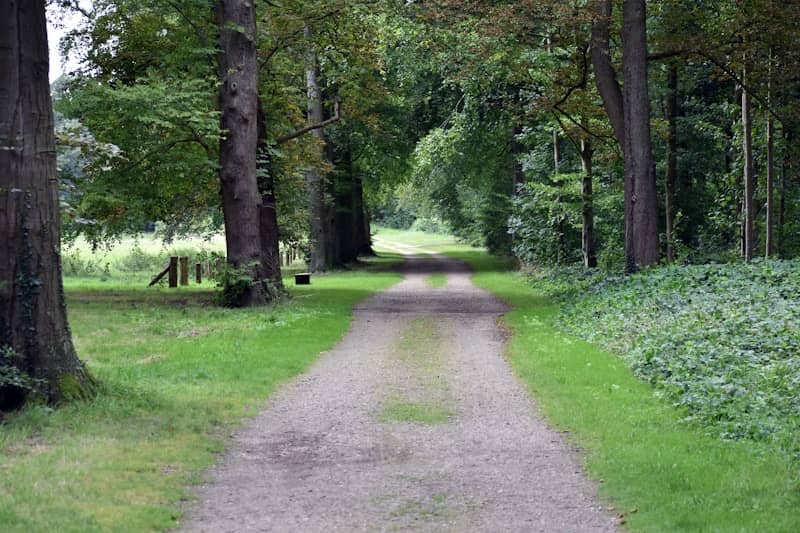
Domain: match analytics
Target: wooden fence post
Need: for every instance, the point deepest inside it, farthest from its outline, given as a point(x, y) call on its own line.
point(173, 272)
point(184, 271)
point(198, 273)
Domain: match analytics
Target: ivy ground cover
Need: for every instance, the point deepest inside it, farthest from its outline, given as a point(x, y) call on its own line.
point(721, 343)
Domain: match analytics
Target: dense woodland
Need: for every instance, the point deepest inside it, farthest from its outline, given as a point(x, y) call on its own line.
point(519, 125)
point(612, 135)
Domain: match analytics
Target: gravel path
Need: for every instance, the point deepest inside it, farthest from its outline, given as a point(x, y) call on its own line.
point(413, 422)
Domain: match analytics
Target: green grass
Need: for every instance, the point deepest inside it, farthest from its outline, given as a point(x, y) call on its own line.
point(428, 241)
point(136, 259)
point(421, 396)
point(177, 374)
point(415, 413)
point(663, 475)
point(437, 280)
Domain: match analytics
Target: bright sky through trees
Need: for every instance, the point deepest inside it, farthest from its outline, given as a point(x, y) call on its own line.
point(58, 24)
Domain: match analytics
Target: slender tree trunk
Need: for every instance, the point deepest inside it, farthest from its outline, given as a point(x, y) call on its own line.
point(316, 181)
point(238, 99)
point(672, 161)
point(782, 207)
point(556, 153)
point(588, 237)
point(769, 241)
point(268, 211)
point(33, 316)
point(561, 226)
point(749, 179)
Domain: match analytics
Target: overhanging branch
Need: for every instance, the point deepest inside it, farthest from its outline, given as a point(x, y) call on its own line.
point(335, 118)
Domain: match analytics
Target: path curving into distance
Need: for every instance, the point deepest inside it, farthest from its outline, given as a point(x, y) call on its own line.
point(414, 421)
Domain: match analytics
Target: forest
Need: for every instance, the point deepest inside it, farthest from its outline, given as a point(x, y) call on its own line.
point(624, 175)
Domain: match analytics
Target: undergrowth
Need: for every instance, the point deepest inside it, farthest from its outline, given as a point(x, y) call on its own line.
point(719, 342)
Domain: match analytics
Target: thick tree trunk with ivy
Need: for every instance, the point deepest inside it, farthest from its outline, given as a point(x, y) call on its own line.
point(34, 335)
point(238, 99)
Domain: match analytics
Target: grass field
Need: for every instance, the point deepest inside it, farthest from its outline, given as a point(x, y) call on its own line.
point(176, 374)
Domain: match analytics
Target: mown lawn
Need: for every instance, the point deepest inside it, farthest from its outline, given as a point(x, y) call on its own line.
point(660, 473)
point(176, 375)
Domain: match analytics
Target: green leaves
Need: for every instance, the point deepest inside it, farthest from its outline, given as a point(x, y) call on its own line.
point(720, 342)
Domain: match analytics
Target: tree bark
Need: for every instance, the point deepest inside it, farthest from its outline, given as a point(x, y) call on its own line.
point(604, 71)
point(749, 180)
point(588, 237)
point(268, 211)
point(785, 163)
point(639, 164)
point(321, 245)
point(672, 160)
point(614, 104)
point(33, 315)
point(769, 241)
point(238, 100)
point(556, 153)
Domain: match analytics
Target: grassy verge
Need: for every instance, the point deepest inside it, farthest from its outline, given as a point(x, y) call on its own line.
point(661, 474)
point(177, 374)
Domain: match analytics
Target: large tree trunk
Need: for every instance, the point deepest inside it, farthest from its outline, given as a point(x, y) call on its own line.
point(317, 182)
point(33, 316)
point(268, 211)
point(238, 100)
point(614, 105)
point(639, 164)
point(629, 113)
point(749, 181)
point(672, 160)
point(588, 237)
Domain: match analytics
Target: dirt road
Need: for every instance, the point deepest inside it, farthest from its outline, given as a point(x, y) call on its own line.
point(413, 422)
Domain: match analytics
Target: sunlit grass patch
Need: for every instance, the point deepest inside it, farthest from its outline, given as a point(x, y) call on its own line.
point(415, 413)
point(437, 280)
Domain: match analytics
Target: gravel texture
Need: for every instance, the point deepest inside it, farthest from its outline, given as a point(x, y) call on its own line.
point(329, 454)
